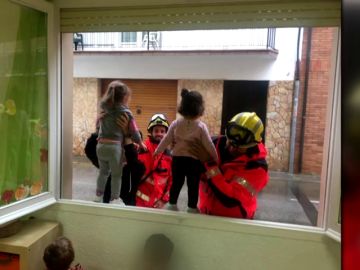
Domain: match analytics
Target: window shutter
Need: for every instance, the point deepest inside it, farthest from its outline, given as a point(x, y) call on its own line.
point(249, 14)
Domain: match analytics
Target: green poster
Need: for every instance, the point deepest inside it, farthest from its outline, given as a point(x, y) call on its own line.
point(23, 102)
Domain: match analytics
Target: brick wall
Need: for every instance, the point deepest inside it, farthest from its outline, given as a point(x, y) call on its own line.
point(319, 85)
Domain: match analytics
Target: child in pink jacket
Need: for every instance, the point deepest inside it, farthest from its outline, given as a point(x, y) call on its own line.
point(181, 132)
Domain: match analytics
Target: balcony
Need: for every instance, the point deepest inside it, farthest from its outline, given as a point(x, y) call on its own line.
point(198, 40)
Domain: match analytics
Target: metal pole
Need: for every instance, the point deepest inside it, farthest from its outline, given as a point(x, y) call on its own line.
point(148, 40)
point(306, 86)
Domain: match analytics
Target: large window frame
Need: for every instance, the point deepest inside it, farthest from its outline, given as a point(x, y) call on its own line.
point(333, 192)
point(60, 66)
point(18, 209)
point(329, 162)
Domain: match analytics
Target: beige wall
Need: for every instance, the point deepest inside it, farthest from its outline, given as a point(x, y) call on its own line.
point(212, 92)
point(278, 123)
point(107, 238)
point(84, 111)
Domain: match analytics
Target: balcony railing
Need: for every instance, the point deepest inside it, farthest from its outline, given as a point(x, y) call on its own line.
point(270, 43)
point(241, 39)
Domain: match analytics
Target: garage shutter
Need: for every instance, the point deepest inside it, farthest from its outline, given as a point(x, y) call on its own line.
point(244, 14)
point(150, 97)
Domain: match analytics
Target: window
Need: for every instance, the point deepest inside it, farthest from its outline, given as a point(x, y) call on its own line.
point(25, 121)
point(301, 191)
point(128, 37)
point(144, 69)
point(333, 205)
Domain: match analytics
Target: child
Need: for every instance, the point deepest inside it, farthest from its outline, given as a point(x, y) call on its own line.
point(59, 255)
point(182, 131)
point(157, 253)
point(109, 148)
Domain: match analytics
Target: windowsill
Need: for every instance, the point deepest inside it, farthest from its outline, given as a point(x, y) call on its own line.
point(19, 209)
point(289, 231)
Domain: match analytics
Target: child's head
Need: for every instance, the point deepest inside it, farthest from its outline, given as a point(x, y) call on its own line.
point(117, 93)
point(158, 249)
point(192, 104)
point(59, 254)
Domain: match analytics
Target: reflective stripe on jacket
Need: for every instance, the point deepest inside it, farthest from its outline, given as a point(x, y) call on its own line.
point(232, 192)
point(157, 184)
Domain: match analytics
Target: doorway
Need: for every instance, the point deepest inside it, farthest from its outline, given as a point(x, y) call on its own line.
point(242, 96)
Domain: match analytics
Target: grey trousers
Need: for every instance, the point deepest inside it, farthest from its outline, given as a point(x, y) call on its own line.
point(110, 161)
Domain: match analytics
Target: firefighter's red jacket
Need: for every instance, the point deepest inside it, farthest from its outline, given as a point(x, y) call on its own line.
point(156, 180)
point(231, 188)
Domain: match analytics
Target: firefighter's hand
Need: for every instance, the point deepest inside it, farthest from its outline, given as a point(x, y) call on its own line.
point(123, 122)
point(156, 155)
point(101, 115)
point(159, 204)
point(142, 146)
point(136, 146)
point(198, 150)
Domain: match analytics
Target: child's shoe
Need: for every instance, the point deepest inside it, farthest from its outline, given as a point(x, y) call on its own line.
point(172, 207)
point(118, 202)
point(98, 199)
point(192, 210)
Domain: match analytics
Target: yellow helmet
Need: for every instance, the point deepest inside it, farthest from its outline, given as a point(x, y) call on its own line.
point(244, 129)
point(158, 119)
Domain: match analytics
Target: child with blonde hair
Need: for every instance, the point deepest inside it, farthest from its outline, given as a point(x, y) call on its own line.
point(110, 139)
point(182, 131)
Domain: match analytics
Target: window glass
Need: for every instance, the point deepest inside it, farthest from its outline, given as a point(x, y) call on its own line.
point(260, 67)
point(128, 37)
point(23, 103)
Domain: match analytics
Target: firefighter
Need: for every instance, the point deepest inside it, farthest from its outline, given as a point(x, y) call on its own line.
point(150, 177)
point(229, 188)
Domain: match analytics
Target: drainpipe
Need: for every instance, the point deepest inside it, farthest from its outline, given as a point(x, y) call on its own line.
point(306, 86)
point(148, 40)
point(296, 88)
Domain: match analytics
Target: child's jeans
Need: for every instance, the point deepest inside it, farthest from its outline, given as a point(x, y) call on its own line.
point(110, 160)
point(191, 169)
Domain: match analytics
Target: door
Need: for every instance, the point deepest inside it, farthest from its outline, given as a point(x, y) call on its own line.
point(244, 96)
point(149, 97)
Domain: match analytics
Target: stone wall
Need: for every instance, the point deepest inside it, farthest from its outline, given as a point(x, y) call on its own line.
point(278, 121)
point(85, 97)
point(212, 92)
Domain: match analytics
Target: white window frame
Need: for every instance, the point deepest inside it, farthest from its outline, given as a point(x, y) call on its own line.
point(331, 164)
point(18, 209)
point(333, 191)
point(58, 147)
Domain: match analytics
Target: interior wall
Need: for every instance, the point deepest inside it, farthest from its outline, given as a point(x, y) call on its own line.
point(108, 238)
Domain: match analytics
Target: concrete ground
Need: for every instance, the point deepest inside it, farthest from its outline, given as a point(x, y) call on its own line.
point(286, 199)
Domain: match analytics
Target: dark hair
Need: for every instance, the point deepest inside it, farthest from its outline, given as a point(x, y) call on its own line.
point(192, 104)
point(59, 254)
point(116, 92)
point(158, 247)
